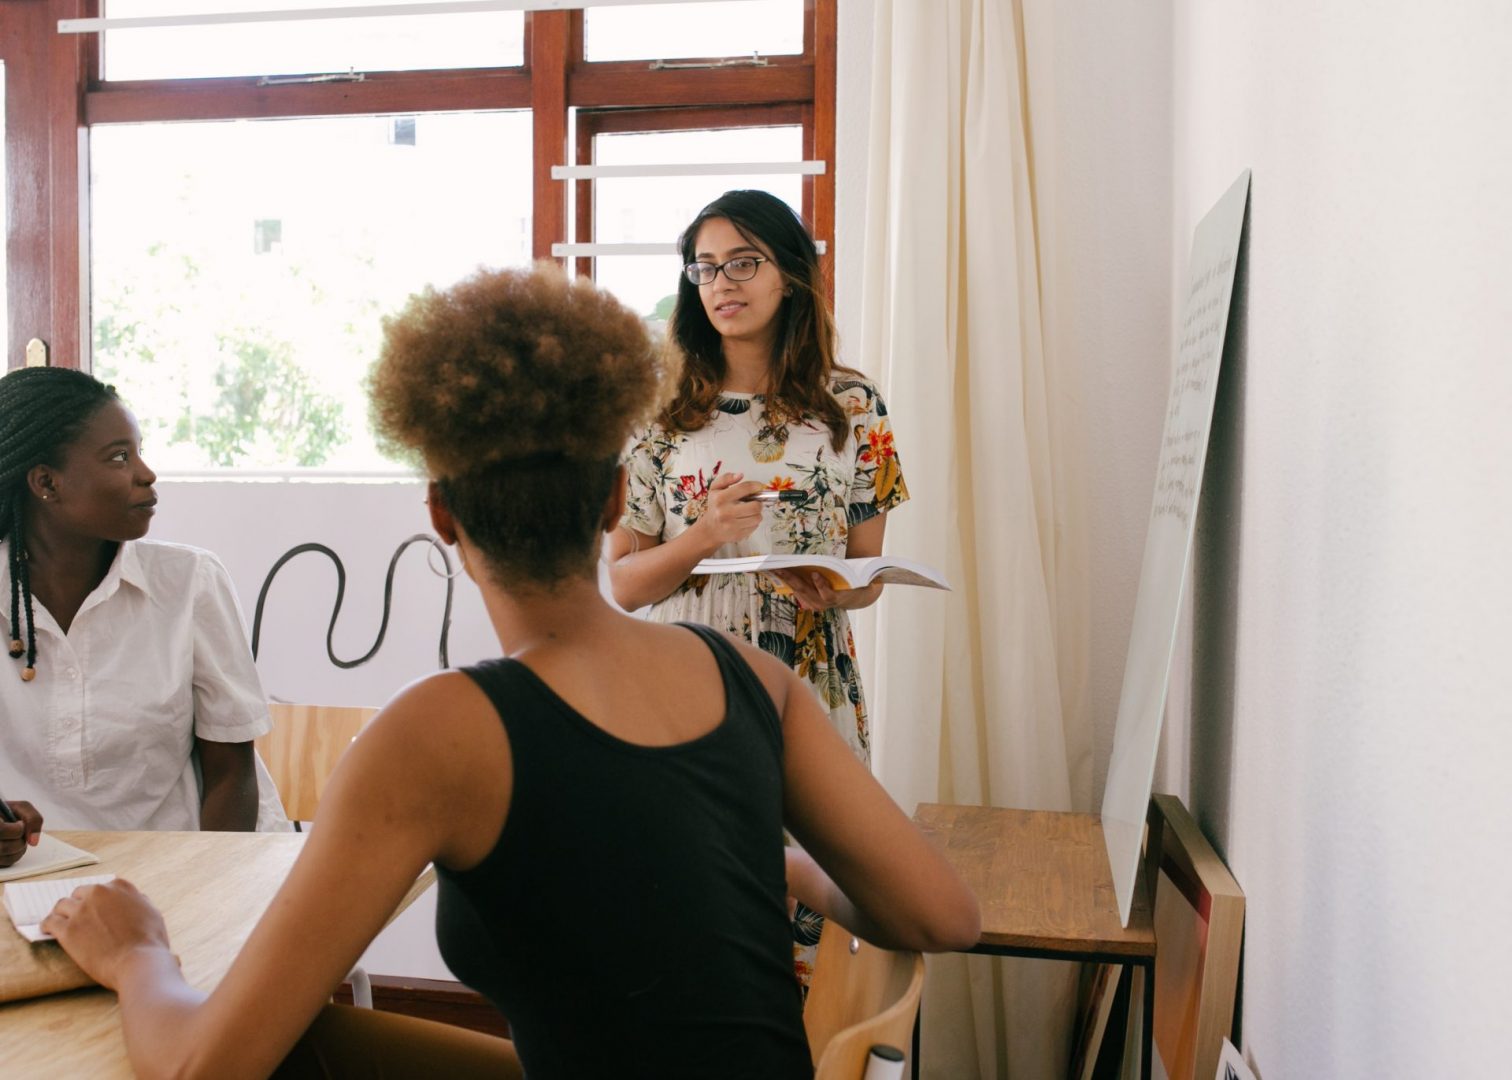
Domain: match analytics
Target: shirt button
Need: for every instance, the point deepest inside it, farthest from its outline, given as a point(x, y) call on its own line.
point(73, 673)
point(67, 722)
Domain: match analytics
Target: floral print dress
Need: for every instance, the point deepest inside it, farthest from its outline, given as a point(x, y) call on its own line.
point(669, 477)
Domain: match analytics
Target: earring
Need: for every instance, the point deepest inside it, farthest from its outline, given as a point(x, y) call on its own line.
point(448, 573)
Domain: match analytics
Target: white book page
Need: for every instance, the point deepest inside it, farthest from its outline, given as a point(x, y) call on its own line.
point(29, 902)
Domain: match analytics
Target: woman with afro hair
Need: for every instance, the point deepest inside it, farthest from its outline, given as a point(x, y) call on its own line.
point(605, 786)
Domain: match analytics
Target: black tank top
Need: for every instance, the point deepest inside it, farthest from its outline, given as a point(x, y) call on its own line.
point(632, 919)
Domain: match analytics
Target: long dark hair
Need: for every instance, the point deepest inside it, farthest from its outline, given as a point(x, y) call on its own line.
point(42, 411)
point(803, 359)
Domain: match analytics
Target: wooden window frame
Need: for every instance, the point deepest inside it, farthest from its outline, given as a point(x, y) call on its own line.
point(54, 95)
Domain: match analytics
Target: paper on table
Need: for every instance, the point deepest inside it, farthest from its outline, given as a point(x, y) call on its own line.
point(29, 902)
point(49, 855)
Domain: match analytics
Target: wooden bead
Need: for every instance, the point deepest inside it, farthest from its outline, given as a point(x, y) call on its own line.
point(28, 674)
point(16, 648)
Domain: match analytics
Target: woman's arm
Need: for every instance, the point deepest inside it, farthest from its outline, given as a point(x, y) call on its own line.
point(229, 781)
point(643, 569)
point(428, 779)
point(873, 871)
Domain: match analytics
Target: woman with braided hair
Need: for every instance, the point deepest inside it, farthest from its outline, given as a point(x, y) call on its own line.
point(131, 701)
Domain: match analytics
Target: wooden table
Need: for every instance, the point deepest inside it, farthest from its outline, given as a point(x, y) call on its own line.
point(1045, 890)
point(211, 887)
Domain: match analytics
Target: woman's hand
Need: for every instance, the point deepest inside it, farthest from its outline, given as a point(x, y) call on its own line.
point(812, 591)
point(727, 518)
point(103, 927)
point(16, 836)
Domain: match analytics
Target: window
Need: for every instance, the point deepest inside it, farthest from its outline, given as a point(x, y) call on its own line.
point(259, 194)
point(344, 228)
point(660, 32)
point(636, 209)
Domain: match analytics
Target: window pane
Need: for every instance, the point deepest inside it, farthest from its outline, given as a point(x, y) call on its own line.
point(241, 269)
point(380, 43)
point(669, 31)
point(646, 210)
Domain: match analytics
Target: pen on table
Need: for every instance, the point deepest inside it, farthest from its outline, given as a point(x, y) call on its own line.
point(771, 495)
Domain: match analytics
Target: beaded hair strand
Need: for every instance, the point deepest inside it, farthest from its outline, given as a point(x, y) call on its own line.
point(42, 411)
point(15, 583)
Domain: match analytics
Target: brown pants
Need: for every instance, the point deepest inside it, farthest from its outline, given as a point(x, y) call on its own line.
point(348, 1042)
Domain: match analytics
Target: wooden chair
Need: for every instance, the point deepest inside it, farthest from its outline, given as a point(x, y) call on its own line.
point(861, 996)
point(1199, 927)
point(303, 748)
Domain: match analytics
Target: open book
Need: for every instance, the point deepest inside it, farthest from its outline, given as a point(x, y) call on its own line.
point(49, 855)
point(842, 573)
point(29, 902)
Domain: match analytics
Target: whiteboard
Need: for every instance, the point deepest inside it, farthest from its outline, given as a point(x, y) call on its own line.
point(1168, 542)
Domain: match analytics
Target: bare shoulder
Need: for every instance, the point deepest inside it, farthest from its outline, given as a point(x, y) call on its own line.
point(776, 677)
point(438, 714)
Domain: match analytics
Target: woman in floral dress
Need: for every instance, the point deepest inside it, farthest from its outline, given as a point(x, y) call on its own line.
point(762, 404)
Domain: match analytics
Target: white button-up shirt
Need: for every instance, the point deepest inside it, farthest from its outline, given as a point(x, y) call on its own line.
point(103, 737)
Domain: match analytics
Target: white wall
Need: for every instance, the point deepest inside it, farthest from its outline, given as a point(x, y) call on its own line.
point(1349, 727)
point(249, 524)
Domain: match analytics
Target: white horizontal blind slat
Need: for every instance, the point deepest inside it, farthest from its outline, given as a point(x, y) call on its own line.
point(437, 7)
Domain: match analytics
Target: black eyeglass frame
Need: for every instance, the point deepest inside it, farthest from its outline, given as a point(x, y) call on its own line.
point(695, 268)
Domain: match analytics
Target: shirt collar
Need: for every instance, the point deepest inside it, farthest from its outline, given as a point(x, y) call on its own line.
point(127, 565)
point(126, 568)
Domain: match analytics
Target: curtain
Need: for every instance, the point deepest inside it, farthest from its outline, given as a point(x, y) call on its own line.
point(978, 695)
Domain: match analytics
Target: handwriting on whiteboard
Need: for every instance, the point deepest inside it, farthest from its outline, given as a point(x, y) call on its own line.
point(1197, 357)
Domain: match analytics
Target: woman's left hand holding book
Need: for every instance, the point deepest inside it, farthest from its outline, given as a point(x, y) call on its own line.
point(22, 826)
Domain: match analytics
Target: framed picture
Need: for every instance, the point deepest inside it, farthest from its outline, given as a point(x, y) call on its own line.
point(1199, 926)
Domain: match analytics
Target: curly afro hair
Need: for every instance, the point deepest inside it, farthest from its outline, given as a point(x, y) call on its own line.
point(514, 364)
point(518, 390)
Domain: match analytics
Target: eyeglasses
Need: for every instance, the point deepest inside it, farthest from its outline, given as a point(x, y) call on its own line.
point(740, 268)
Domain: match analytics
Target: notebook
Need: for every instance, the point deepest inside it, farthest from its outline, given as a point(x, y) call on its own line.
point(49, 855)
point(29, 902)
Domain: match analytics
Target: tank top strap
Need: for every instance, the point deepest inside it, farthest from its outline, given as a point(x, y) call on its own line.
point(739, 679)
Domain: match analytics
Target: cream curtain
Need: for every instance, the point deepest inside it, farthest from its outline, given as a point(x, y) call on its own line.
point(979, 695)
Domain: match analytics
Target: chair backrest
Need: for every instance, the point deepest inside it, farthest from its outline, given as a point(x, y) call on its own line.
point(1199, 927)
point(303, 748)
point(861, 996)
